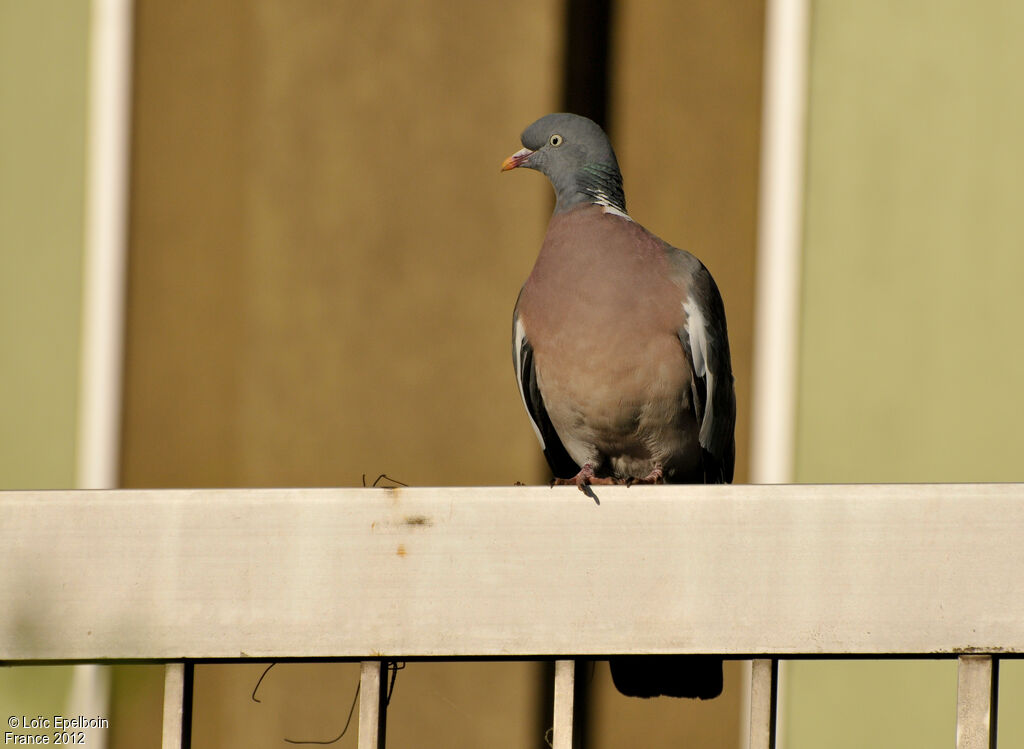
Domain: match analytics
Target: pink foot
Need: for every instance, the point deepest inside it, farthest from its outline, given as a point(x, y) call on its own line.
point(654, 477)
point(584, 478)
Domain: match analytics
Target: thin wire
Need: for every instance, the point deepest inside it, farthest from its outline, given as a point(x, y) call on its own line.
point(255, 688)
point(383, 476)
point(348, 722)
point(394, 667)
point(351, 710)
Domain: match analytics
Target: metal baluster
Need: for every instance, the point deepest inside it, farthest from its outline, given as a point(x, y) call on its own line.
point(177, 725)
point(976, 696)
point(373, 704)
point(764, 687)
point(565, 689)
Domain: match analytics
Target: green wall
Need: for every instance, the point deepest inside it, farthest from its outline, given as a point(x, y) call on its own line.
point(43, 52)
point(911, 365)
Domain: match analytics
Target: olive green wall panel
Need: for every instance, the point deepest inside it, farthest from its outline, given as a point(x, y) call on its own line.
point(911, 364)
point(43, 51)
point(1011, 705)
point(42, 172)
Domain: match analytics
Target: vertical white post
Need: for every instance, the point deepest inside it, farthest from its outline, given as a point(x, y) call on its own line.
point(780, 215)
point(779, 243)
point(764, 675)
point(106, 225)
point(177, 706)
point(373, 701)
point(106, 201)
point(90, 695)
point(976, 692)
point(565, 698)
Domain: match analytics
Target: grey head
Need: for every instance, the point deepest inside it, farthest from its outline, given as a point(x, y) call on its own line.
point(575, 154)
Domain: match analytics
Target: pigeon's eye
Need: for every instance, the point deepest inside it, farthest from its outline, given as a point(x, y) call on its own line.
point(555, 140)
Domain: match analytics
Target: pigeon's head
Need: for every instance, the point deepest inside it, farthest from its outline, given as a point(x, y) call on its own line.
point(575, 154)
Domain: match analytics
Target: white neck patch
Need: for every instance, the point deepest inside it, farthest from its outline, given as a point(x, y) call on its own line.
point(600, 197)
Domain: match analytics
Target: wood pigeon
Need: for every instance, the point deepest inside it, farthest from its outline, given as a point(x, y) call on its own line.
point(621, 355)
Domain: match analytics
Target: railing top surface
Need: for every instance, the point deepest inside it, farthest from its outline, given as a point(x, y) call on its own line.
point(512, 571)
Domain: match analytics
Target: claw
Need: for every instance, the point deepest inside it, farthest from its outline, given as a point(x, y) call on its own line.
point(654, 477)
point(585, 478)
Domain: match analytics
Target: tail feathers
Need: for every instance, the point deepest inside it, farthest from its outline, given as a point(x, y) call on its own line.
point(694, 676)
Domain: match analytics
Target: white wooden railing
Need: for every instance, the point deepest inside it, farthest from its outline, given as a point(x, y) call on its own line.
point(756, 572)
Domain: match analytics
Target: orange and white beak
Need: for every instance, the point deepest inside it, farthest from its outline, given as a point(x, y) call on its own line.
point(516, 159)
